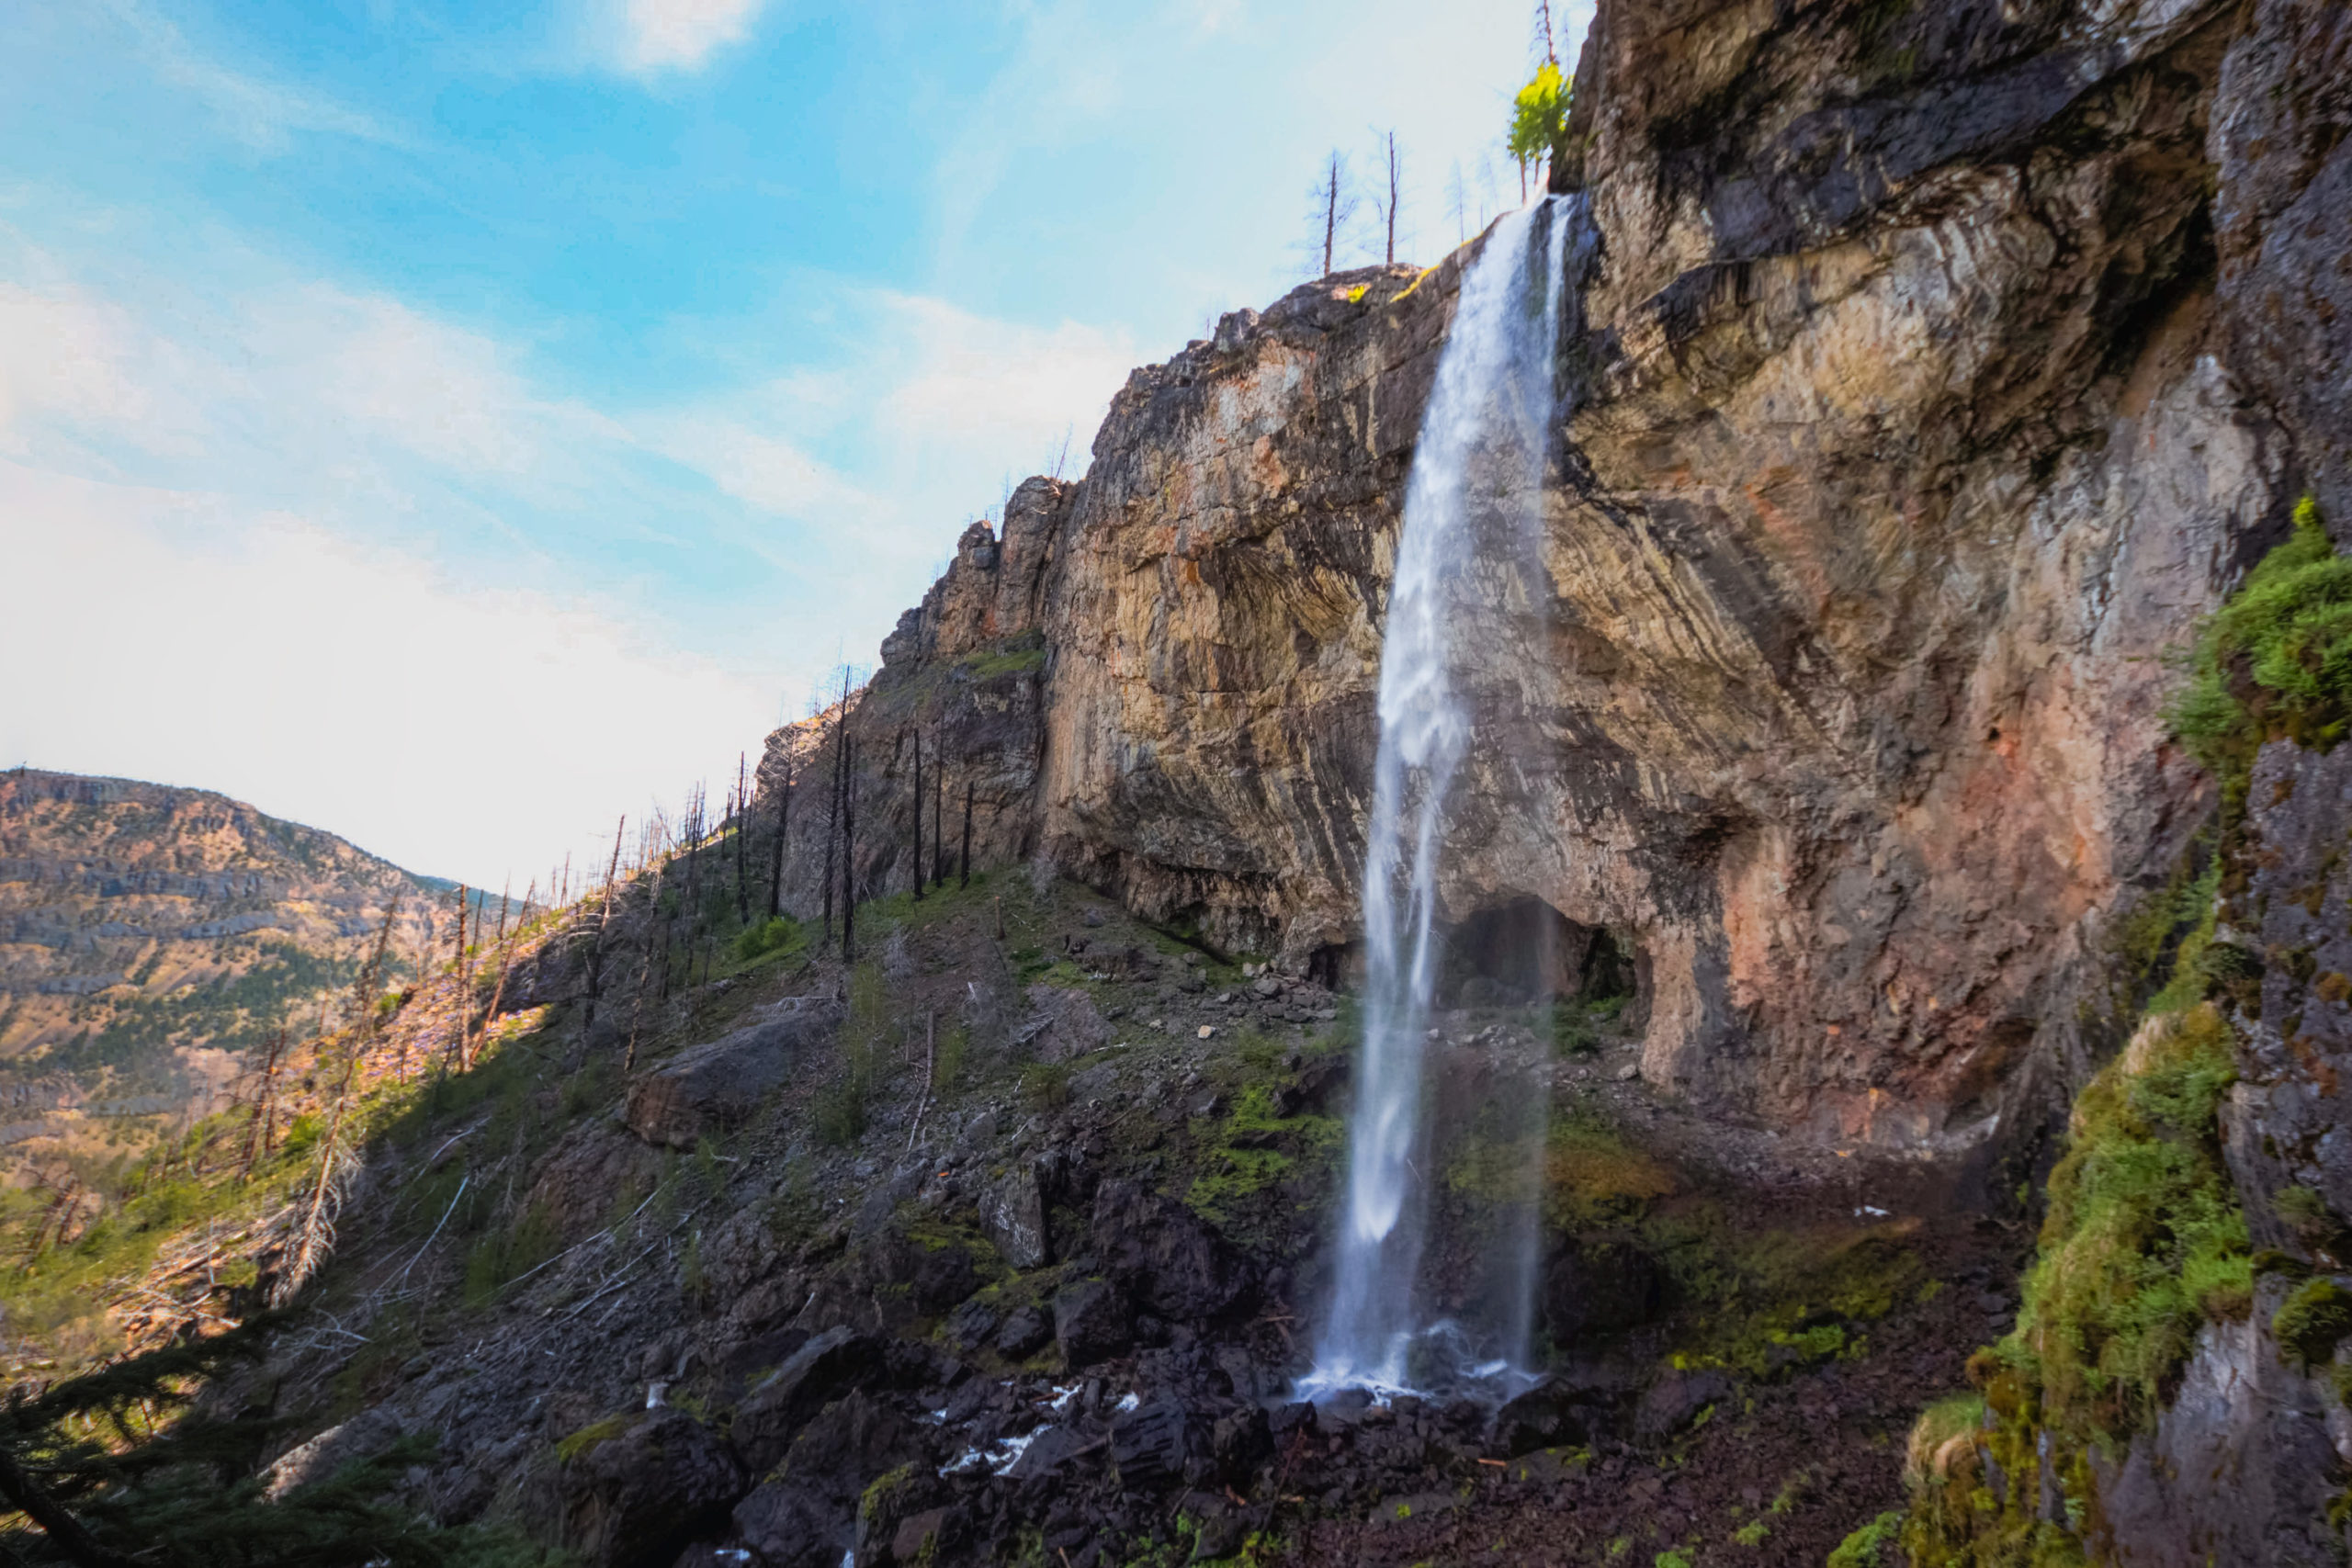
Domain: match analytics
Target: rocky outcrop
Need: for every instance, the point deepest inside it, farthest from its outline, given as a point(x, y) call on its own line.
point(710, 1088)
point(1934, 368)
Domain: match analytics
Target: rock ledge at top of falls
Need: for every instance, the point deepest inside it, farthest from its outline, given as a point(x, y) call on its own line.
point(1931, 379)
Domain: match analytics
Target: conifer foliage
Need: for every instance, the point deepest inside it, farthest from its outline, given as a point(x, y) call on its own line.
point(123, 1466)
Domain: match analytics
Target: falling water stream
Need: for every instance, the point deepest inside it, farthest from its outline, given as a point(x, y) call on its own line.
point(1473, 518)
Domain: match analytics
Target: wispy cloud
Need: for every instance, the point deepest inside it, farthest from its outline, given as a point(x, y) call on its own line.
point(266, 116)
point(655, 36)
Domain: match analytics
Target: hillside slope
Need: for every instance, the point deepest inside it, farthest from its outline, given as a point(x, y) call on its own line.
point(150, 937)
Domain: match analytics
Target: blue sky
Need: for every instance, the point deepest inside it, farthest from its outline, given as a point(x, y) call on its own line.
point(454, 425)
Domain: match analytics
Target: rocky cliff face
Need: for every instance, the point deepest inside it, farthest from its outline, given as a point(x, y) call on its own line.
point(1936, 367)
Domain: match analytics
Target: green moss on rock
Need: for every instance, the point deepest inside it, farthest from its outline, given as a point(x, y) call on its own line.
point(2310, 1322)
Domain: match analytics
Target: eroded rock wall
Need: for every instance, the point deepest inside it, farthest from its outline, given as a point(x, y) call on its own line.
point(1934, 370)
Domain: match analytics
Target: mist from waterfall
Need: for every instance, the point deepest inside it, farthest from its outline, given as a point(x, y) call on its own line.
point(1472, 520)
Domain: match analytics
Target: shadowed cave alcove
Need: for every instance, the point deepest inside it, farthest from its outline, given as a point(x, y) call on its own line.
point(1525, 951)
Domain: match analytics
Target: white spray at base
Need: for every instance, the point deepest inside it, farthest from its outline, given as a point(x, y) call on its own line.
point(1477, 478)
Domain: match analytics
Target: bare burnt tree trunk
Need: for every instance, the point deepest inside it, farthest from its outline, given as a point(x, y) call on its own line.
point(315, 1235)
point(938, 796)
point(833, 804)
point(1331, 211)
point(459, 955)
point(1392, 198)
point(965, 879)
point(497, 995)
point(501, 907)
point(742, 832)
point(849, 849)
point(783, 821)
point(265, 1123)
point(693, 826)
point(666, 928)
point(918, 814)
point(604, 919)
point(456, 1051)
point(636, 1013)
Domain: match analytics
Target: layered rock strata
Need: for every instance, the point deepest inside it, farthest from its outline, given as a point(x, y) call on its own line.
point(1934, 370)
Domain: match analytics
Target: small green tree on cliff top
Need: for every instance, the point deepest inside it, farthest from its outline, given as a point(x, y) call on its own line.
point(1538, 120)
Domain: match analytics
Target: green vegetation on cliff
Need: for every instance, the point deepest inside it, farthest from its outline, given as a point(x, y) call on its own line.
point(2274, 661)
point(2144, 1240)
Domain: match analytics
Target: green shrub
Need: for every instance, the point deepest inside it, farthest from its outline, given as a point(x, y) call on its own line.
point(1869, 1547)
point(591, 1437)
point(839, 1116)
point(1045, 1085)
point(2306, 1213)
point(504, 1257)
point(778, 933)
point(2310, 1322)
point(2275, 660)
point(1578, 1024)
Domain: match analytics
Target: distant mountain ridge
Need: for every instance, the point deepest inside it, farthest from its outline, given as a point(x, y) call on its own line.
point(151, 934)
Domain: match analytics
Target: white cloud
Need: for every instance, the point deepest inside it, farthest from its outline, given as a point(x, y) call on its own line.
point(263, 115)
point(288, 383)
point(680, 35)
point(929, 410)
point(998, 385)
point(761, 469)
point(64, 355)
point(455, 729)
point(185, 468)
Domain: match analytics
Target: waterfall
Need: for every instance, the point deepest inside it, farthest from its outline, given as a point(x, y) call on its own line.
point(1473, 518)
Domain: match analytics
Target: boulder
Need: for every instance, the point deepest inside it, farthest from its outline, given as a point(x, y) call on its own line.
point(1165, 1256)
point(928, 1275)
point(827, 1365)
point(1092, 1320)
point(786, 1525)
point(1050, 1449)
point(1551, 1412)
point(709, 1089)
point(1240, 1442)
point(920, 1537)
point(1013, 1216)
point(363, 1436)
point(634, 1499)
point(1025, 1332)
point(1602, 1284)
point(1155, 1444)
point(971, 1326)
point(806, 1514)
point(1675, 1399)
point(1065, 1024)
